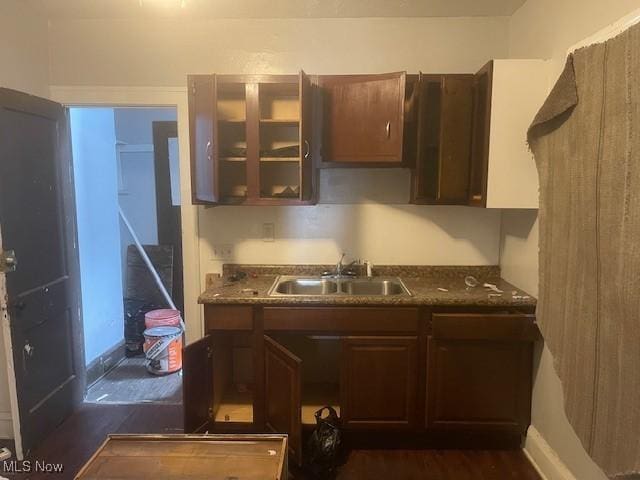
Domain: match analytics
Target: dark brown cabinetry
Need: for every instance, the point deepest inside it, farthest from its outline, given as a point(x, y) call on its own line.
point(251, 139)
point(400, 370)
point(283, 404)
point(378, 387)
point(202, 121)
point(443, 146)
point(482, 87)
point(479, 372)
point(363, 119)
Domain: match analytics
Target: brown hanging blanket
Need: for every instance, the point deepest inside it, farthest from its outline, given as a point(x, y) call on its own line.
point(586, 141)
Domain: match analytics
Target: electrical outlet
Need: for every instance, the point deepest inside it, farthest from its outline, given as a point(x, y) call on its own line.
point(268, 232)
point(222, 252)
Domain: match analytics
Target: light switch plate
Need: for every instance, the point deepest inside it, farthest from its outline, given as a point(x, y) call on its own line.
point(268, 232)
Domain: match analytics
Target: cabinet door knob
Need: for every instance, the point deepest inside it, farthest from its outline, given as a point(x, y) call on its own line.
point(388, 129)
point(307, 149)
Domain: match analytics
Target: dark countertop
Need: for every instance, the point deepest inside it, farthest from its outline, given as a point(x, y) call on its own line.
point(423, 283)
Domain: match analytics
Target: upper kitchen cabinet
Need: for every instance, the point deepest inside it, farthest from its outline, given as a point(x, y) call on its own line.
point(443, 139)
point(251, 139)
point(363, 119)
point(507, 95)
point(202, 121)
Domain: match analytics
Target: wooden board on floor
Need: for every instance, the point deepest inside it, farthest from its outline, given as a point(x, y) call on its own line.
point(197, 457)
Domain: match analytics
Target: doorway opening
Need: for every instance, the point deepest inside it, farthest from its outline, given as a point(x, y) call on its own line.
point(127, 187)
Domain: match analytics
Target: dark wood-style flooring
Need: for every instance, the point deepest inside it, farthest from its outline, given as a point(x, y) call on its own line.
point(129, 382)
point(73, 443)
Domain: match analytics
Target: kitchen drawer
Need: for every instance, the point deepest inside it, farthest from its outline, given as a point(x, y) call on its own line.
point(342, 319)
point(226, 317)
point(484, 326)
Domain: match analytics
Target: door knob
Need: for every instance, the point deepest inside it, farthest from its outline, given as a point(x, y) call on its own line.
point(27, 353)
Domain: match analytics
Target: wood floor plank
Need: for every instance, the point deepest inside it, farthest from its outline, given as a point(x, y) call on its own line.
point(130, 382)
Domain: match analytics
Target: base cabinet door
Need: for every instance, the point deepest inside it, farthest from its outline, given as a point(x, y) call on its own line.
point(283, 406)
point(378, 382)
point(197, 385)
point(479, 373)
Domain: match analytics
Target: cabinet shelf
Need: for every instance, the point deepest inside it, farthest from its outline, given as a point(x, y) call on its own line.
point(232, 121)
point(280, 121)
point(279, 159)
point(235, 407)
point(233, 159)
point(318, 395)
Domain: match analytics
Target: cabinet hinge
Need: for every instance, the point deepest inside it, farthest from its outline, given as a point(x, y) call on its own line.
point(209, 352)
point(8, 261)
point(193, 88)
point(210, 410)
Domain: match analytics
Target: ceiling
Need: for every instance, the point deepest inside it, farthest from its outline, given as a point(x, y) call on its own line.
point(273, 8)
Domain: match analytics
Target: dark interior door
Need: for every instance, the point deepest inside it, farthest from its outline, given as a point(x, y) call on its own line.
point(38, 222)
point(282, 394)
point(168, 214)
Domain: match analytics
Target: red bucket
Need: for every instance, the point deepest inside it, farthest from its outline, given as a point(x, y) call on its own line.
point(165, 317)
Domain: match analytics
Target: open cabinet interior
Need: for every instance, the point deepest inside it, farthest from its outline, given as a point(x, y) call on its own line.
point(443, 152)
point(319, 371)
point(233, 379)
point(231, 113)
point(279, 127)
point(250, 138)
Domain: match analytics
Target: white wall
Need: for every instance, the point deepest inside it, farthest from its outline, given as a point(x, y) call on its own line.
point(25, 66)
point(383, 234)
point(96, 190)
point(546, 29)
point(23, 49)
point(162, 52)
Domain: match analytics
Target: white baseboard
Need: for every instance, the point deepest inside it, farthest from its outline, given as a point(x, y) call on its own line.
point(6, 427)
point(544, 458)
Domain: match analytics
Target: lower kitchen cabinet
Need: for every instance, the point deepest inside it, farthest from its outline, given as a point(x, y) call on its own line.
point(369, 381)
point(419, 373)
point(283, 405)
point(479, 369)
point(378, 387)
point(218, 383)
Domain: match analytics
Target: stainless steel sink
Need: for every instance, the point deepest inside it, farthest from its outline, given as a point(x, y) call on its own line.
point(304, 286)
point(318, 286)
point(373, 286)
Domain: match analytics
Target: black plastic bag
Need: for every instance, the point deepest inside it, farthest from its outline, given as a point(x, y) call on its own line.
point(324, 448)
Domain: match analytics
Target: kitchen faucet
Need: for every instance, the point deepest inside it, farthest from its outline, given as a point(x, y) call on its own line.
point(341, 269)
